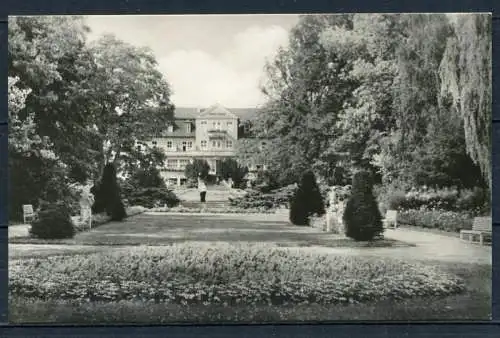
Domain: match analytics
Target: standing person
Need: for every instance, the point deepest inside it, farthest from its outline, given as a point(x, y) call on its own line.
point(202, 188)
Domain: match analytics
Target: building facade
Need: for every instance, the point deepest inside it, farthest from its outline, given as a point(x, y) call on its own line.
point(210, 134)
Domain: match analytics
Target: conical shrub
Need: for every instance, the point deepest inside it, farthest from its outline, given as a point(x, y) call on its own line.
point(362, 218)
point(107, 195)
point(307, 200)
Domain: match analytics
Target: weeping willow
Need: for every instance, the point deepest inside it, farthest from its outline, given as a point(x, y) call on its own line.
point(466, 80)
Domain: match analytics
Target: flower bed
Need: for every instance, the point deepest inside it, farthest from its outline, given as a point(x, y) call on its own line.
point(230, 210)
point(225, 274)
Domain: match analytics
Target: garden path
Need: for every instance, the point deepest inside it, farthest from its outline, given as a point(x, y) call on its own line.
point(428, 247)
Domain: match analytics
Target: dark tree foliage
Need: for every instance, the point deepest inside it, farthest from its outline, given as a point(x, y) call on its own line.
point(307, 200)
point(197, 167)
point(147, 188)
point(362, 218)
point(53, 222)
point(230, 168)
point(107, 195)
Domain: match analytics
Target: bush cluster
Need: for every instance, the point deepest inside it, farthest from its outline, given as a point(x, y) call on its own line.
point(53, 222)
point(153, 197)
point(436, 219)
point(255, 199)
point(147, 188)
point(225, 274)
point(449, 199)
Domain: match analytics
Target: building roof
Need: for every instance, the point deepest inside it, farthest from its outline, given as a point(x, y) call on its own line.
point(192, 113)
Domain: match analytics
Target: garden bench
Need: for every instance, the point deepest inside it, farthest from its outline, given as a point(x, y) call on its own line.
point(28, 212)
point(481, 227)
point(391, 219)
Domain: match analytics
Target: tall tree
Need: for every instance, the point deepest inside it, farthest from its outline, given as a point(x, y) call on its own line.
point(466, 75)
point(130, 94)
point(306, 91)
point(48, 55)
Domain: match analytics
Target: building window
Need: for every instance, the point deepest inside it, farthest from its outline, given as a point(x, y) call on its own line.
point(190, 145)
point(170, 128)
point(169, 145)
point(188, 127)
point(218, 144)
point(184, 145)
point(203, 144)
point(218, 125)
point(203, 122)
point(229, 144)
point(229, 123)
point(214, 144)
point(214, 124)
point(183, 164)
point(171, 164)
point(154, 143)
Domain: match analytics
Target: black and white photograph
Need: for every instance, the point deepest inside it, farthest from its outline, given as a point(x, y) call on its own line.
point(207, 169)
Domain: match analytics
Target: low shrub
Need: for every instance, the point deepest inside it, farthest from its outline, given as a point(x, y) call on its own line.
point(436, 219)
point(53, 222)
point(255, 199)
point(473, 200)
point(153, 197)
point(202, 273)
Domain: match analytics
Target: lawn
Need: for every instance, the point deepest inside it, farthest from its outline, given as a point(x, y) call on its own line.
point(91, 251)
point(151, 229)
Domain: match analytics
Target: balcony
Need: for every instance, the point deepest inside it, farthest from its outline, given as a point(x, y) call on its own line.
point(217, 134)
point(200, 152)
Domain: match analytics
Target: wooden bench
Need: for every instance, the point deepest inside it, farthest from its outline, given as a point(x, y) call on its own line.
point(391, 219)
point(481, 227)
point(28, 213)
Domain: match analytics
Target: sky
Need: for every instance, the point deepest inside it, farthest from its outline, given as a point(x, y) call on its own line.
point(206, 59)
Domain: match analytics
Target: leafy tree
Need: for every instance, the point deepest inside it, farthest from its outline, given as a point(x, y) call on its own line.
point(66, 98)
point(230, 168)
point(197, 167)
point(362, 218)
point(466, 80)
point(307, 200)
point(305, 91)
point(130, 95)
point(134, 159)
point(48, 56)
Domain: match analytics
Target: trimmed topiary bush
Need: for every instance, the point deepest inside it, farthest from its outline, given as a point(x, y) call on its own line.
point(107, 195)
point(362, 218)
point(53, 222)
point(307, 200)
